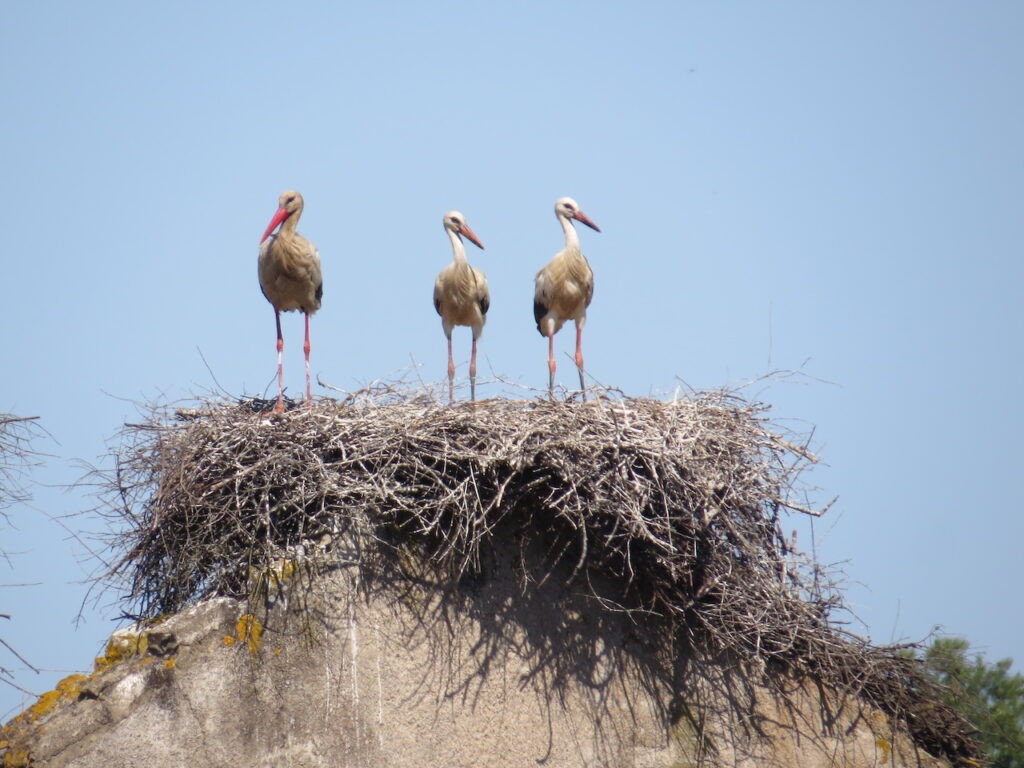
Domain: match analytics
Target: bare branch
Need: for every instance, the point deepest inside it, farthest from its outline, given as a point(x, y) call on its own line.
point(16, 456)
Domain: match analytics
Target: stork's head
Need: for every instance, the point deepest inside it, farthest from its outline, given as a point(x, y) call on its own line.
point(568, 208)
point(456, 222)
point(288, 204)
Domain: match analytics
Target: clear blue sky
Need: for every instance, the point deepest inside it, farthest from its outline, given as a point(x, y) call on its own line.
point(824, 187)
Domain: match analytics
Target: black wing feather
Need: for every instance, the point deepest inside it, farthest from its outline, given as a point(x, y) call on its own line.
point(539, 310)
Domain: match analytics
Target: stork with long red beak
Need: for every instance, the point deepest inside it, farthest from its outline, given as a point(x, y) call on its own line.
point(290, 278)
point(461, 296)
point(564, 288)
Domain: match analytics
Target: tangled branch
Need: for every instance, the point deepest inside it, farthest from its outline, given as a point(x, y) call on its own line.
point(16, 455)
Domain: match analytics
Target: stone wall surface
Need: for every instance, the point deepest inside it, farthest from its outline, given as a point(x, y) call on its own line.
point(371, 678)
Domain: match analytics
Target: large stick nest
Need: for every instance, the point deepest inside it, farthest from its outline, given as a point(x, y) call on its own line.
point(668, 511)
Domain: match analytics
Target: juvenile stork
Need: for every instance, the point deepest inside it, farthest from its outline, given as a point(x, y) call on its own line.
point(461, 296)
point(290, 278)
point(564, 288)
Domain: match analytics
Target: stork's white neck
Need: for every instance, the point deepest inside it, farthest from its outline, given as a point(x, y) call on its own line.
point(458, 249)
point(572, 240)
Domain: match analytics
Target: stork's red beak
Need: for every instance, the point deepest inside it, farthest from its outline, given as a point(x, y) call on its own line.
point(581, 217)
point(280, 216)
point(471, 236)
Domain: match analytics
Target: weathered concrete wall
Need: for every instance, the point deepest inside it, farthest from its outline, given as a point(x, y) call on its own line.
point(408, 677)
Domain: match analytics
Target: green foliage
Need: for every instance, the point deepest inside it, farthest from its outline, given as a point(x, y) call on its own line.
point(988, 695)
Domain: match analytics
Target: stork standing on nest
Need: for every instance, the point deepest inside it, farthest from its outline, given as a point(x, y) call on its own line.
point(461, 296)
point(564, 288)
point(290, 278)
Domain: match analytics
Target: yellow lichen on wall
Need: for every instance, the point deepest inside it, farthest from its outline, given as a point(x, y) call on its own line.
point(121, 646)
point(282, 571)
point(884, 747)
point(13, 734)
point(67, 689)
point(16, 757)
point(266, 584)
point(250, 631)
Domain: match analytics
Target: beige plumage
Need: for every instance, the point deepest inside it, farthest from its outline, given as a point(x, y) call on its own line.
point(461, 296)
point(290, 278)
point(564, 288)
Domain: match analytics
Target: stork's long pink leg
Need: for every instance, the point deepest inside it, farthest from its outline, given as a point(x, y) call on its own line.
point(279, 408)
point(451, 373)
point(305, 349)
point(551, 362)
point(579, 357)
point(472, 373)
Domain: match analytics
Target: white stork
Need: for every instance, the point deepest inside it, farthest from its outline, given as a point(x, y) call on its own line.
point(461, 296)
point(564, 288)
point(290, 278)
